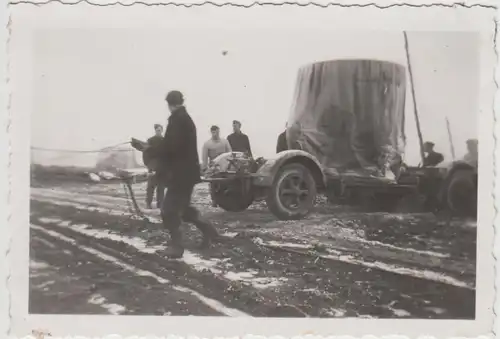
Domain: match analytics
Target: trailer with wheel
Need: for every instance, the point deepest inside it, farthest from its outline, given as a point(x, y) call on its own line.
point(346, 128)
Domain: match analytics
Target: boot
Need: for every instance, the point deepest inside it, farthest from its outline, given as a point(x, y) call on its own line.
point(175, 249)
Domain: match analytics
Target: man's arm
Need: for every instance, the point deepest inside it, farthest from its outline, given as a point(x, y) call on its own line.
point(229, 138)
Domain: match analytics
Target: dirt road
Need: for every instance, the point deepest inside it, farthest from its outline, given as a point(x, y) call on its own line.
point(90, 255)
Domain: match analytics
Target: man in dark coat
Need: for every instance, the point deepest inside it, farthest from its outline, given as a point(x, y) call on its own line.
point(153, 182)
point(179, 169)
point(432, 158)
point(238, 140)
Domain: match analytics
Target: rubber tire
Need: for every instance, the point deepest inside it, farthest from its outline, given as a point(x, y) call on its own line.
point(232, 203)
point(272, 199)
point(462, 208)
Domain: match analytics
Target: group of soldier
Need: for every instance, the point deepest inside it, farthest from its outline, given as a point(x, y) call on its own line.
point(212, 148)
point(175, 164)
point(433, 158)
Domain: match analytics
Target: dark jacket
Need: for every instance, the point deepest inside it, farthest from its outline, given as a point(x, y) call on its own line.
point(178, 161)
point(282, 143)
point(239, 143)
point(152, 163)
point(433, 159)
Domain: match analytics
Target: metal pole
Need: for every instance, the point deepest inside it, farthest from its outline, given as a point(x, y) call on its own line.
point(419, 132)
point(450, 138)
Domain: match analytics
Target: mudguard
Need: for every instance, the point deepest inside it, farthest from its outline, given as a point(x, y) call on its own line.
point(447, 173)
point(266, 173)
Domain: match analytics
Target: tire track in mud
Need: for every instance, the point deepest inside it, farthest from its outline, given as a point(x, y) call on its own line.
point(318, 286)
point(313, 286)
point(110, 258)
point(395, 233)
point(83, 284)
point(177, 272)
point(437, 267)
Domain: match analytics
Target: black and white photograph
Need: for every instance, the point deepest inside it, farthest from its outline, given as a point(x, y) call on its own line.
point(198, 163)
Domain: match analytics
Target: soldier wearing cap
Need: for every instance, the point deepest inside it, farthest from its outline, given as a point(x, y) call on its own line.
point(153, 182)
point(179, 169)
point(472, 152)
point(432, 158)
point(238, 140)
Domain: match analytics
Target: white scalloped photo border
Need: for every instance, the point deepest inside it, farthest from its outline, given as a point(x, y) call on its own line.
point(15, 323)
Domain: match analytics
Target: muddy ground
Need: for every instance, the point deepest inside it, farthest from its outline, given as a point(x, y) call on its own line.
point(91, 255)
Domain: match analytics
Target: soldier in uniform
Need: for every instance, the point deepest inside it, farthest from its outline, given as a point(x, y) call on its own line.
point(179, 170)
point(153, 182)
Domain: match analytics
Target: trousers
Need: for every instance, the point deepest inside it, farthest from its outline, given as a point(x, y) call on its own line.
point(177, 208)
point(155, 183)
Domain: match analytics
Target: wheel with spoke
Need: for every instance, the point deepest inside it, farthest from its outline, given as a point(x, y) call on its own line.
point(232, 196)
point(293, 192)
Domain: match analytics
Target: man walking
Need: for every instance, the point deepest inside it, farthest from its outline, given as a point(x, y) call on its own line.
point(179, 168)
point(238, 140)
point(153, 182)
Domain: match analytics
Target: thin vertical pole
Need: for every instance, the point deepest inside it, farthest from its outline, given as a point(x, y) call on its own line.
point(450, 138)
point(419, 131)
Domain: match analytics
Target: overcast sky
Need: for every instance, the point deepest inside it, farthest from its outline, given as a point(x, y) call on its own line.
point(97, 87)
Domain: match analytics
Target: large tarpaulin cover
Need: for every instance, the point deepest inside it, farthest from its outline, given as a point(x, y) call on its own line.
point(350, 113)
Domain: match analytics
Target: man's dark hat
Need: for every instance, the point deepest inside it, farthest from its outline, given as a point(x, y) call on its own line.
point(157, 125)
point(175, 98)
point(236, 122)
point(429, 143)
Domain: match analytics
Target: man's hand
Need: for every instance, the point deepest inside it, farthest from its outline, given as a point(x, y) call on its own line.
point(138, 144)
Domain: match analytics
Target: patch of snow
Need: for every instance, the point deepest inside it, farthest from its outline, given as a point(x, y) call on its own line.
point(47, 220)
point(120, 208)
point(46, 243)
point(229, 234)
point(37, 265)
point(114, 309)
point(407, 249)
point(289, 244)
point(249, 277)
point(436, 310)
point(138, 243)
point(259, 241)
point(45, 284)
point(141, 245)
point(364, 316)
point(422, 274)
point(214, 304)
point(416, 273)
point(399, 312)
point(200, 264)
point(94, 177)
point(335, 312)
point(106, 175)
